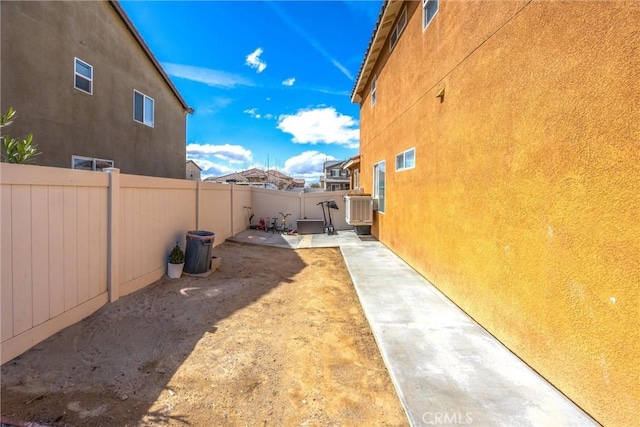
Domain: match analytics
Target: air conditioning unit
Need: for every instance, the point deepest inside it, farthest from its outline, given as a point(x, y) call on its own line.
point(359, 210)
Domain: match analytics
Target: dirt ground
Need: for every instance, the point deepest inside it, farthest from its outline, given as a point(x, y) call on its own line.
point(274, 337)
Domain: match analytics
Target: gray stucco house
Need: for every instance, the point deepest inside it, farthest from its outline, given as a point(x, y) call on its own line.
point(86, 85)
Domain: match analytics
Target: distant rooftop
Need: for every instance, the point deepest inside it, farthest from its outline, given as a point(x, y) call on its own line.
point(255, 175)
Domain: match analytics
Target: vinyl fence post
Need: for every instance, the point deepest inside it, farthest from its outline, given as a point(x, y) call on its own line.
point(198, 204)
point(232, 208)
point(113, 234)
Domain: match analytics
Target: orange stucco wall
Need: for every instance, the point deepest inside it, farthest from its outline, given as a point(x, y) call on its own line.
point(524, 205)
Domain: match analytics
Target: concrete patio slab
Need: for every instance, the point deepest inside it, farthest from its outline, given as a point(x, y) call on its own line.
point(260, 237)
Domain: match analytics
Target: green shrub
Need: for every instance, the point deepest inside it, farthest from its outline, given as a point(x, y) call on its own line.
point(16, 150)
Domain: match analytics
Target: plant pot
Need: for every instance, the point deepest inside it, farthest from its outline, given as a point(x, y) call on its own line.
point(174, 271)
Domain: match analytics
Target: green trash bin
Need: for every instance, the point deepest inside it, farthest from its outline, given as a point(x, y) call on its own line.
point(198, 251)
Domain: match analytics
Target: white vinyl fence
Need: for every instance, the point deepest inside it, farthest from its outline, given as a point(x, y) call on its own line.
point(73, 240)
point(268, 204)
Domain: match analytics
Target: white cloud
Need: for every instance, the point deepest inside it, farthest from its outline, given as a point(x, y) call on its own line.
point(321, 125)
point(253, 112)
point(306, 165)
point(227, 152)
point(253, 60)
point(210, 168)
point(289, 82)
point(207, 76)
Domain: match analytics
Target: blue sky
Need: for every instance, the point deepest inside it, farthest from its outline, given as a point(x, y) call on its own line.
point(270, 81)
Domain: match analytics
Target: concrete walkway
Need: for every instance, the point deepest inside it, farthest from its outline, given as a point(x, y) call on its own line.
point(447, 370)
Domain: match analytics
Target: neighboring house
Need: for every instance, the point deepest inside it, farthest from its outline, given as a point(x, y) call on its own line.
point(260, 178)
point(193, 170)
point(352, 166)
point(334, 177)
point(86, 85)
point(500, 140)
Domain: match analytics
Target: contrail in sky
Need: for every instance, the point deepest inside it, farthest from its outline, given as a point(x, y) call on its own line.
point(313, 42)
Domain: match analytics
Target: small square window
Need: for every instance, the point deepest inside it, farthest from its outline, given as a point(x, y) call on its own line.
point(82, 163)
point(100, 164)
point(89, 163)
point(143, 108)
point(429, 10)
point(83, 76)
point(406, 160)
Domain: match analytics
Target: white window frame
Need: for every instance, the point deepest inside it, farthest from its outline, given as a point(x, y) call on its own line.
point(335, 173)
point(373, 89)
point(356, 178)
point(403, 157)
point(377, 192)
point(144, 107)
point(82, 76)
point(426, 23)
point(94, 162)
point(398, 29)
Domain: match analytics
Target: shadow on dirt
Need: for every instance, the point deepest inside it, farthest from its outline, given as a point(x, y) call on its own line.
point(114, 365)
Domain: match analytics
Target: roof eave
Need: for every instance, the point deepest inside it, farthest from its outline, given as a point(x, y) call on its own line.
point(132, 29)
point(390, 9)
point(354, 161)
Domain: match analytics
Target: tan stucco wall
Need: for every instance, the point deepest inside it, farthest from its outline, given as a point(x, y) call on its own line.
point(523, 206)
point(39, 43)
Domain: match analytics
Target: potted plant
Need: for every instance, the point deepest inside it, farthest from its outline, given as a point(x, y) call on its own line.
point(176, 262)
